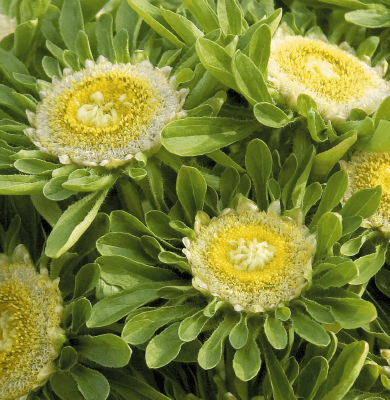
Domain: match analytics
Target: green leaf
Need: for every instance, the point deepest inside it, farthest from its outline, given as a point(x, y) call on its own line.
point(121, 47)
point(339, 275)
point(89, 183)
point(333, 193)
point(378, 141)
point(182, 26)
point(230, 16)
point(92, 384)
point(353, 246)
point(363, 203)
point(312, 194)
point(34, 166)
point(309, 329)
point(351, 224)
point(260, 48)
point(270, 115)
point(86, 279)
point(211, 352)
point(91, 7)
point(258, 161)
point(311, 377)
point(317, 311)
point(191, 327)
point(204, 14)
point(113, 308)
point(238, 336)
point(153, 17)
point(249, 79)
point(141, 327)
point(329, 231)
point(68, 358)
point(21, 184)
point(81, 311)
point(325, 161)
point(216, 60)
point(64, 386)
point(105, 39)
point(281, 387)
point(373, 18)
point(369, 265)
point(8, 100)
point(200, 135)
point(71, 22)
point(108, 350)
point(73, 223)
point(275, 332)
point(382, 112)
point(51, 67)
point(367, 48)
point(164, 348)
point(9, 64)
point(350, 313)
point(247, 361)
point(230, 179)
point(344, 372)
point(382, 281)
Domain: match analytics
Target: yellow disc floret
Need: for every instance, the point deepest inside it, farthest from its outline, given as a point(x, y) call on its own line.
point(105, 114)
point(337, 80)
point(30, 307)
point(254, 260)
point(366, 171)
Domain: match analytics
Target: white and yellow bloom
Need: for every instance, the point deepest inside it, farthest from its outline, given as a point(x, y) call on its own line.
point(251, 259)
point(30, 308)
point(106, 113)
point(366, 171)
point(335, 79)
point(7, 26)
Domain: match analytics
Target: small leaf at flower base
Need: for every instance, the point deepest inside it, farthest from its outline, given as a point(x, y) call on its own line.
point(305, 103)
point(247, 361)
point(200, 135)
point(238, 336)
point(81, 313)
point(369, 265)
point(73, 223)
point(368, 47)
point(378, 141)
point(260, 47)
point(68, 358)
point(329, 231)
point(270, 115)
point(363, 203)
point(191, 190)
point(64, 386)
point(350, 313)
point(344, 372)
point(249, 79)
point(211, 352)
point(317, 311)
point(283, 313)
point(229, 182)
point(90, 183)
point(309, 329)
point(382, 112)
point(339, 275)
point(54, 190)
point(382, 281)
point(92, 384)
point(142, 327)
point(121, 47)
point(164, 348)
point(372, 18)
point(21, 184)
point(311, 377)
point(105, 40)
point(86, 279)
point(191, 327)
point(115, 307)
point(281, 387)
point(108, 350)
point(258, 161)
point(275, 332)
point(353, 246)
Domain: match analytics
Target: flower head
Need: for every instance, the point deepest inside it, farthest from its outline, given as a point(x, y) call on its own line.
point(106, 113)
point(7, 26)
point(335, 79)
point(30, 307)
point(253, 260)
point(369, 170)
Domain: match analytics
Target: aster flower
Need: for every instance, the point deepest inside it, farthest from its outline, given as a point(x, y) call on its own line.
point(246, 271)
point(368, 170)
point(30, 318)
point(333, 77)
point(253, 260)
point(105, 114)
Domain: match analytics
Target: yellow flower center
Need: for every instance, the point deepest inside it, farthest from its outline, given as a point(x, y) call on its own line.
point(329, 72)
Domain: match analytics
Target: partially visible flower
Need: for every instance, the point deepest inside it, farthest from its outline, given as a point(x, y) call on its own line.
point(335, 79)
point(30, 308)
point(251, 259)
point(106, 113)
point(7, 26)
point(369, 170)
